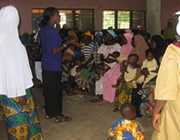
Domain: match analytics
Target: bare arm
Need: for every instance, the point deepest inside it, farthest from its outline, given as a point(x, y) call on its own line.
point(157, 112)
point(57, 50)
point(159, 106)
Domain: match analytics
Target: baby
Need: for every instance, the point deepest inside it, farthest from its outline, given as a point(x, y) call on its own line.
point(126, 127)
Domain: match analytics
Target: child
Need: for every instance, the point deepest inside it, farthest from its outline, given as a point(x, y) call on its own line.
point(149, 73)
point(85, 77)
point(151, 65)
point(126, 82)
point(126, 128)
point(68, 55)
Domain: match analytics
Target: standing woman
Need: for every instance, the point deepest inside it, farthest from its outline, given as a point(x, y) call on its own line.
point(16, 101)
point(50, 42)
point(112, 75)
point(140, 46)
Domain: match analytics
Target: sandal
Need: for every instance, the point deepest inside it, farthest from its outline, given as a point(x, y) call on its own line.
point(47, 117)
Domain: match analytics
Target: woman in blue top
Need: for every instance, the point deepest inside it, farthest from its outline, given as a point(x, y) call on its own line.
point(50, 42)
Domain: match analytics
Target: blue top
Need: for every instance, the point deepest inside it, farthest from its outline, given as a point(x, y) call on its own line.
point(49, 39)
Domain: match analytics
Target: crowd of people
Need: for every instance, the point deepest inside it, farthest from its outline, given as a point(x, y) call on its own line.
point(115, 66)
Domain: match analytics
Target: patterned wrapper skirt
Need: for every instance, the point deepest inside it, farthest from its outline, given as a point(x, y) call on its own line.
point(21, 117)
point(123, 94)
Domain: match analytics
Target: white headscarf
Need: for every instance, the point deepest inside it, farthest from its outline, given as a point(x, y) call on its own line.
point(15, 73)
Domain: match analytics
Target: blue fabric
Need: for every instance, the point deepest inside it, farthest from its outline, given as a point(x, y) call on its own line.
point(49, 39)
point(78, 54)
point(126, 135)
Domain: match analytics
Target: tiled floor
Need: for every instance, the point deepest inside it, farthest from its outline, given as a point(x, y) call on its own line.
point(90, 121)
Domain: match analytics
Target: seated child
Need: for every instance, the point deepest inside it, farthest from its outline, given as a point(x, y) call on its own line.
point(126, 127)
point(126, 82)
point(67, 58)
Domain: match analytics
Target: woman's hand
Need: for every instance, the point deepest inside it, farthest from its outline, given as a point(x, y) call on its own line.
point(156, 121)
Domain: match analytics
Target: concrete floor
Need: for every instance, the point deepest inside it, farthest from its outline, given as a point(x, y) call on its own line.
point(90, 121)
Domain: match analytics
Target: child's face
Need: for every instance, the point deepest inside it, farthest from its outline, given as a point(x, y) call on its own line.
point(133, 60)
point(129, 113)
point(87, 39)
point(149, 56)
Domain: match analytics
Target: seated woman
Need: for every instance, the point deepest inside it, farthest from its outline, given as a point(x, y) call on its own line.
point(110, 77)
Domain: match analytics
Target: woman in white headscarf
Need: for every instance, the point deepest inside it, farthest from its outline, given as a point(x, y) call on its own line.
point(16, 101)
point(166, 112)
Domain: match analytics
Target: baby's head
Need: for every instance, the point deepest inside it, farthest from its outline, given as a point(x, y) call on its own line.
point(116, 54)
point(133, 59)
point(128, 112)
point(149, 55)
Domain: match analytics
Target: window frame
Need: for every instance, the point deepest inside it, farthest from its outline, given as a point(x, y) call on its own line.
point(116, 17)
point(74, 14)
point(103, 17)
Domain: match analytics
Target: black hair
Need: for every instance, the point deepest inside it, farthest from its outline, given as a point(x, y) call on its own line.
point(127, 105)
point(149, 51)
point(48, 13)
point(133, 55)
point(116, 54)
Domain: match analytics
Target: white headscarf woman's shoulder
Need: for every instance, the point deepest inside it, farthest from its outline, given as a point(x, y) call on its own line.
point(15, 73)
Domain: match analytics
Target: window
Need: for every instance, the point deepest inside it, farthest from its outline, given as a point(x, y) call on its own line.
point(138, 18)
point(36, 19)
point(108, 19)
point(66, 17)
point(123, 21)
point(75, 19)
point(84, 20)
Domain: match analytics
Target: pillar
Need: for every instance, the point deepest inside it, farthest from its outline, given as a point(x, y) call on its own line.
point(153, 16)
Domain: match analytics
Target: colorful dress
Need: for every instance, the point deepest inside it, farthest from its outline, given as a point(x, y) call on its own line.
point(146, 91)
point(123, 93)
point(21, 117)
point(123, 129)
point(84, 78)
